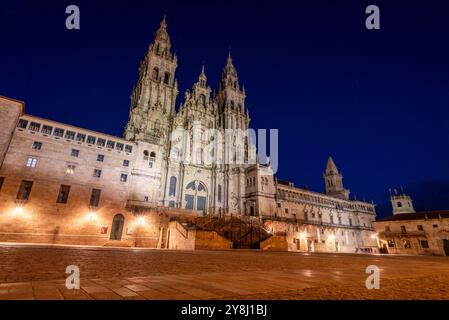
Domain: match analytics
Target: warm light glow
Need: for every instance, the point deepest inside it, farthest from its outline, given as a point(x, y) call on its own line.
point(141, 221)
point(332, 237)
point(303, 235)
point(91, 216)
point(373, 236)
point(18, 211)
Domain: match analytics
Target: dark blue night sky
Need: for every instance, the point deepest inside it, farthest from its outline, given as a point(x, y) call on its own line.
point(377, 101)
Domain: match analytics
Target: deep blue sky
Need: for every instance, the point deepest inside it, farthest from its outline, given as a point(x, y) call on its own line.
point(377, 101)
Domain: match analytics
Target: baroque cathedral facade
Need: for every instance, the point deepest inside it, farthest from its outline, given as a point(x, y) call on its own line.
point(173, 165)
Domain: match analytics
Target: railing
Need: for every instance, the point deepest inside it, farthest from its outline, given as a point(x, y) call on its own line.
point(317, 223)
point(138, 204)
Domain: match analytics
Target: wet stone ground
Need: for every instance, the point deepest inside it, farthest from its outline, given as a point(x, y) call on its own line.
point(32, 272)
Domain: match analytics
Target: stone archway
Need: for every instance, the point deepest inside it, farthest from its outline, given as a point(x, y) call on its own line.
point(196, 196)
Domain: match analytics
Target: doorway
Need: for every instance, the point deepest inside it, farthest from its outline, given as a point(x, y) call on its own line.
point(117, 227)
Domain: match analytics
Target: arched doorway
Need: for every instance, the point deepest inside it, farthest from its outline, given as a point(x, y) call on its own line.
point(117, 227)
point(196, 196)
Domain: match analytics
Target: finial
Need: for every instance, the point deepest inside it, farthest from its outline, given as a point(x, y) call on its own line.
point(229, 57)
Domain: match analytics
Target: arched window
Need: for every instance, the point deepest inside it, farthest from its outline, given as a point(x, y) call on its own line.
point(219, 193)
point(153, 156)
point(146, 154)
point(172, 189)
point(191, 186)
point(399, 204)
point(232, 105)
point(167, 78)
point(155, 74)
point(202, 99)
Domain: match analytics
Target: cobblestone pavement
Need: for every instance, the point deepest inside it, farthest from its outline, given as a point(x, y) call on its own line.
point(34, 272)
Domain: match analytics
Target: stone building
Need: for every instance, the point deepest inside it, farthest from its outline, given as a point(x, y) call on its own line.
point(64, 184)
point(411, 232)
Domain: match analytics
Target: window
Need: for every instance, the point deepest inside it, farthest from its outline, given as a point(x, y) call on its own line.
point(350, 222)
point(420, 228)
point(172, 188)
point(306, 216)
point(219, 193)
point(146, 155)
point(424, 244)
point(155, 74)
point(24, 190)
point(123, 177)
point(286, 210)
point(153, 156)
point(387, 229)
point(70, 135)
point(80, 137)
point(58, 132)
point(167, 78)
point(126, 163)
point(339, 220)
point(95, 197)
point(101, 142)
point(91, 140)
point(100, 158)
point(63, 195)
point(110, 144)
point(34, 126)
point(399, 204)
point(75, 153)
point(403, 229)
point(435, 226)
point(22, 124)
point(332, 219)
point(2, 179)
point(407, 244)
point(97, 173)
point(391, 244)
point(70, 169)
point(31, 162)
point(37, 145)
point(128, 148)
point(119, 146)
point(47, 130)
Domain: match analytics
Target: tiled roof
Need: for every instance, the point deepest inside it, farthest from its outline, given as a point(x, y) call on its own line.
point(423, 215)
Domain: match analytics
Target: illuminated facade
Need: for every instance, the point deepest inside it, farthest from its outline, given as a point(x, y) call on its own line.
point(63, 184)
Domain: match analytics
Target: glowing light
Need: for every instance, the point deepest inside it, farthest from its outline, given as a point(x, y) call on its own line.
point(91, 216)
point(332, 237)
point(373, 236)
point(18, 211)
point(303, 235)
point(141, 221)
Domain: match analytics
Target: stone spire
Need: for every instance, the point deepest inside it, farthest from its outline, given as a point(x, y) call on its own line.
point(331, 168)
point(334, 181)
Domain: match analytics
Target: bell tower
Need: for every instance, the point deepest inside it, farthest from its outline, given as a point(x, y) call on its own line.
point(334, 181)
point(401, 203)
point(154, 96)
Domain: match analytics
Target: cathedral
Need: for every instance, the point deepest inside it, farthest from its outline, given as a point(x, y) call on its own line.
point(182, 176)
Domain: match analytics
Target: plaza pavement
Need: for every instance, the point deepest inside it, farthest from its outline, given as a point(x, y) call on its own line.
point(38, 272)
